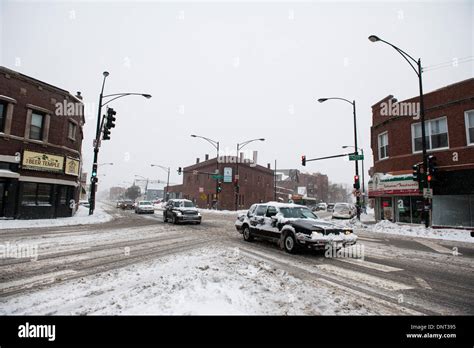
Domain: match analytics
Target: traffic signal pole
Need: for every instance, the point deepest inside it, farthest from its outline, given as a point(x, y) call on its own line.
point(357, 183)
point(96, 150)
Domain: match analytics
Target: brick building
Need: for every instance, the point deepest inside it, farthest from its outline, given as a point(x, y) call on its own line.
point(306, 188)
point(256, 184)
point(396, 147)
point(40, 148)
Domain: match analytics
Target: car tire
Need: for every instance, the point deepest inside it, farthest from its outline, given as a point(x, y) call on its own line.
point(247, 234)
point(289, 243)
point(165, 219)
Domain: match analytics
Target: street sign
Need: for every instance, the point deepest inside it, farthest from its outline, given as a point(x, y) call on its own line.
point(217, 177)
point(228, 174)
point(356, 157)
point(427, 193)
point(94, 142)
point(201, 189)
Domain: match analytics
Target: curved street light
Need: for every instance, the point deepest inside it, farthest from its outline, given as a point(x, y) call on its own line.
point(98, 130)
point(353, 103)
point(216, 146)
point(417, 68)
point(166, 169)
point(237, 160)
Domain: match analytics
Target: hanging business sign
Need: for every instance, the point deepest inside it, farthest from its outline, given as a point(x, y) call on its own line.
point(42, 161)
point(72, 166)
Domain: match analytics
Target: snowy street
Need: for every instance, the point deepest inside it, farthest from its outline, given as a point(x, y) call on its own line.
point(137, 264)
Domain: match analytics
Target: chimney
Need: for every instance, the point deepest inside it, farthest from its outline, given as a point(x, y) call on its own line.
point(206, 156)
point(241, 157)
point(268, 166)
point(78, 95)
point(197, 160)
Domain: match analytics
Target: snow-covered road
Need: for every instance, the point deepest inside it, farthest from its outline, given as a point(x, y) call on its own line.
point(139, 265)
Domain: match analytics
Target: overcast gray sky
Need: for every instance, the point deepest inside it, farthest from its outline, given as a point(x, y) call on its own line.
point(234, 71)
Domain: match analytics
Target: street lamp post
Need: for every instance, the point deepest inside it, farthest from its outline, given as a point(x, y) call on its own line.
point(417, 68)
point(167, 169)
point(216, 145)
point(363, 172)
point(237, 160)
point(353, 103)
point(97, 136)
point(146, 185)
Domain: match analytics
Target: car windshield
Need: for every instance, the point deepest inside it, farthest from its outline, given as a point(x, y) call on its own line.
point(185, 204)
point(145, 203)
point(342, 207)
point(297, 213)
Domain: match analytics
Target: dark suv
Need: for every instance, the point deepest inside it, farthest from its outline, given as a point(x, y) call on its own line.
point(181, 210)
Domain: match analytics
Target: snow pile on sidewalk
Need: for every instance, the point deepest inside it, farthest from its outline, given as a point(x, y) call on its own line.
point(388, 227)
point(204, 281)
point(81, 217)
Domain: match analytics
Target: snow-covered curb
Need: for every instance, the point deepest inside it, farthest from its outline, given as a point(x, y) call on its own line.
point(81, 217)
point(456, 235)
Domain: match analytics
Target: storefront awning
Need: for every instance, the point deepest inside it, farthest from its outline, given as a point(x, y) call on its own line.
point(5, 173)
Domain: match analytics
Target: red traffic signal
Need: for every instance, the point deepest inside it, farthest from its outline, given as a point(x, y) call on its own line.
point(303, 160)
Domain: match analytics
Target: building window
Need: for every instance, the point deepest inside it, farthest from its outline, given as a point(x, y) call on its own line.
point(469, 115)
point(383, 145)
point(36, 194)
point(436, 135)
point(36, 127)
point(63, 195)
point(71, 132)
point(3, 116)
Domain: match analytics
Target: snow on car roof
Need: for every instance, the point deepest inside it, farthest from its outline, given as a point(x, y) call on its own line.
point(283, 205)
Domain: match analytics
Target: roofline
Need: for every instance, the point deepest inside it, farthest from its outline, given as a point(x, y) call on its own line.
point(32, 79)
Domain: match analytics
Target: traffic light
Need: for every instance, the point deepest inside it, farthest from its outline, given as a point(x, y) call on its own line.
point(106, 134)
point(179, 170)
point(356, 182)
point(219, 187)
point(303, 160)
point(109, 123)
point(416, 172)
point(432, 168)
point(94, 178)
point(236, 184)
point(110, 118)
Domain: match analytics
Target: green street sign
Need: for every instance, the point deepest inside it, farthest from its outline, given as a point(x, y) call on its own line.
point(217, 177)
point(356, 157)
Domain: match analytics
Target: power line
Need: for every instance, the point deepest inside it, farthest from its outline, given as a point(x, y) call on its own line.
point(453, 63)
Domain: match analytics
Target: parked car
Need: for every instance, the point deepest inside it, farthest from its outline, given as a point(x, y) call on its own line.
point(321, 206)
point(293, 227)
point(330, 207)
point(127, 204)
point(118, 203)
point(181, 210)
point(344, 211)
point(145, 207)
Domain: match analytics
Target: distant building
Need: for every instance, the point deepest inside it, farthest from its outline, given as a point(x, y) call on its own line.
point(306, 188)
point(256, 184)
point(396, 147)
point(116, 193)
point(40, 148)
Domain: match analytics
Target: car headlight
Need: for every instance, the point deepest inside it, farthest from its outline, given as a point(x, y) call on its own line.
point(348, 232)
point(178, 212)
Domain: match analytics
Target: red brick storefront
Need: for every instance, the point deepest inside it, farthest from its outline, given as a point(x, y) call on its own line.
point(396, 141)
point(40, 148)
